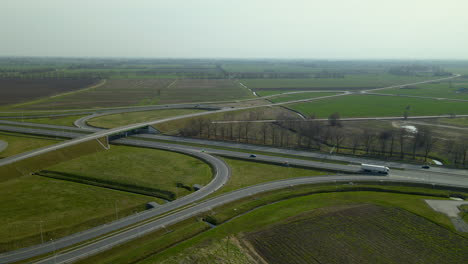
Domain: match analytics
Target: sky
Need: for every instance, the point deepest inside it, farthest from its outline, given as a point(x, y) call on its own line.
point(304, 29)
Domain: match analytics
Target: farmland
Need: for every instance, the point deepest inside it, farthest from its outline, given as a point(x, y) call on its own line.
point(298, 96)
point(58, 207)
point(113, 93)
point(368, 106)
point(349, 82)
point(110, 121)
point(285, 211)
point(148, 171)
point(203, 90)
point(453, 89)
point(58, 120)
point(20, 90)
point(363, 234)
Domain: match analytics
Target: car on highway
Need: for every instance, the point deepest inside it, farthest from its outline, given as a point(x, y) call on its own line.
point(253, 156)
point(425, 167)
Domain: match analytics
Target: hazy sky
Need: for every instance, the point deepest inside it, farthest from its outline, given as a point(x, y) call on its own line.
point(394, 29)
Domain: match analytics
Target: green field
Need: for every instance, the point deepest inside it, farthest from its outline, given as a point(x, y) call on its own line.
point(59, 207)
point(116, 120)
point(298, 96)
point(203, 90)
point(363, 233)
point(454, 90)
point(370, 106)
point(59, 120)
point(136, 169)
point(460, 121)
point(246, 173)
point(364, 81)
point(19, 143)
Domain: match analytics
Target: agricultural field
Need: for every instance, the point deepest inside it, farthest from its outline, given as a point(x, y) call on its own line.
point(116, 120)
point(19, 143)
point(59, 208)
point(233, 232)
point(349, 82)
point(203, 90)
point(358, 234)
point(147, 171)
point(371, 105)
point(57, 120)
point(460, 121)
point(453, 90)
point(21, 90)
point(114, 93)
point(298, 96)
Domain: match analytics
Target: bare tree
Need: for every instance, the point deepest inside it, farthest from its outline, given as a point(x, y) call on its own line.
point(334, 119)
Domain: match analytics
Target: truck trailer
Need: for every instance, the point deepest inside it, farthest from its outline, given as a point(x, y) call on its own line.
point(375, 169)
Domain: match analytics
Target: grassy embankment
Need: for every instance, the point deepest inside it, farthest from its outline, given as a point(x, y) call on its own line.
point(370, 106)
point(146, 171)
point(60, 120)
point(18, 143)
point(116, 120)
point(59, 208)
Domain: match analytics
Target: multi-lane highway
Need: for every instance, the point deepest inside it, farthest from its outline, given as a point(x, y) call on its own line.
point(439, 176)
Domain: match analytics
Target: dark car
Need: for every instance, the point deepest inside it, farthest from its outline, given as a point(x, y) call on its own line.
point(253, 155)
point(425, 167)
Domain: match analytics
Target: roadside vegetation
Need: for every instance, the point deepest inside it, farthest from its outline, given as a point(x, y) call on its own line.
point(58, 208)
point(19, 143)
point(116, 120)
point(59, 120)
point(298, 96)
point(162, 174)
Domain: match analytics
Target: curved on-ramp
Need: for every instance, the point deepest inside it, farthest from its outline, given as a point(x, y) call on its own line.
point(221, 175)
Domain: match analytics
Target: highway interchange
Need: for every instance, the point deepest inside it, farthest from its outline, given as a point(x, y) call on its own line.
point(187, 205)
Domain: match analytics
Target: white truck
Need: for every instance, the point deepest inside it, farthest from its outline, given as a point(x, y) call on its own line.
point(375, 168)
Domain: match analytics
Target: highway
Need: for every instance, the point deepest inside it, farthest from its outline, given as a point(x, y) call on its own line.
point(438, 176)
point(128, 235)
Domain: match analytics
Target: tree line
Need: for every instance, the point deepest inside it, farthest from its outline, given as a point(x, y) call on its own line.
point(333, 136)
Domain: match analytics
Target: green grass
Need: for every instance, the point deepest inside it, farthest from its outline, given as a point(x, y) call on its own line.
point(439, 90)
point(460, 121)
point(63, 207)
point(19, 143)
point(298, 96)
point(370, 106)
point(60, 120)
point(464, 212)
point(349, 82)
point(137, 168)
point(116, 120)
point(247, 173)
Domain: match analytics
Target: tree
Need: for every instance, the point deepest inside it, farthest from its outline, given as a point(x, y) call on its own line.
point(402, 134)
point(334, 119)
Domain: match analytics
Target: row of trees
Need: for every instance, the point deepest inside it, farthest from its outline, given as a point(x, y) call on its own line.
point(332, 136)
